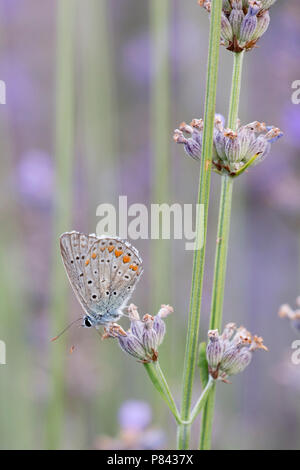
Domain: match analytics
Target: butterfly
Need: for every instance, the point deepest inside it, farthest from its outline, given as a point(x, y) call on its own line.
point(103, 273)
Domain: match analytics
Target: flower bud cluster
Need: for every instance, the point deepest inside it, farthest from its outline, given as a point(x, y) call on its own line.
point(234, 151)
point(230, 353)
point(286, 311)
point(243, 22)
point(144, 335)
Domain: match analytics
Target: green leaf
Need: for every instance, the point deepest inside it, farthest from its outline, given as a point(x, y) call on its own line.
point(202, 364)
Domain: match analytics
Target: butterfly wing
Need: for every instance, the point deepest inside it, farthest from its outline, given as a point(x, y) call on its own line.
point(113, 268)
point(103, 272)
point(74, 247)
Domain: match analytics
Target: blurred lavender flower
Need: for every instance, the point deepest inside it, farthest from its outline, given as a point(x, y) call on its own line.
point(144, 336)
point(243, 22)
point(35, 178)
point(230, 353)
point(134, 418)
point(235, 151)
point(286, 311)
point(135, 415)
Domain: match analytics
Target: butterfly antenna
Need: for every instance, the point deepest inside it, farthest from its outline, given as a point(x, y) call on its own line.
point(63, 331)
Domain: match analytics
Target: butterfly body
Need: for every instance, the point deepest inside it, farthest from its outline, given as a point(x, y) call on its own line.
point(103, 273)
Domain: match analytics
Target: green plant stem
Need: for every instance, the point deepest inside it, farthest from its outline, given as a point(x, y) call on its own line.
point(222, 247)
point(238, 59)
point(183, 434)
point(159, 381)
point(160, 128)
point(64, 131)
point(202, 399)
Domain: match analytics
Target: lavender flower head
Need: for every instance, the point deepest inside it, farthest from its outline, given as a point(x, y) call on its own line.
point(135, 415)
point(144, 335)
point(286, 311)
point(243, 22)
point(230, 353)
point(234, 151)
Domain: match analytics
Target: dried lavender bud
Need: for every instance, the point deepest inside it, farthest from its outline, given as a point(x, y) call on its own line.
point(235, 360)
point(236, 150)
point(144, 336)
point(131, 345)
point(249, 24)
point(214, 350)
point(226, 29)
point(150, 340)
point(160, 329)
point(243, 22)
point(231, 352)
point(263, 22)
point(236, 17)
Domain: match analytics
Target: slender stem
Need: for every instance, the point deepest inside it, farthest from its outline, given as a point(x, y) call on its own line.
point(202, 399)
point(238, 60)
point(183, 434)
point(160, 126)
point(62, 221)
point(222, 246)
point(159, 381)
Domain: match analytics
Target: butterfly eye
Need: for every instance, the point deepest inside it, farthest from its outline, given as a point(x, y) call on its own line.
point(87, 322)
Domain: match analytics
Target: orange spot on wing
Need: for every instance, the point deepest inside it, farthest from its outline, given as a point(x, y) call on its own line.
point(118, 253)
point(87, 262)
point(126, 259)
point(134, 268)
point(103, 248)
point(110, 248)
point(94, 255)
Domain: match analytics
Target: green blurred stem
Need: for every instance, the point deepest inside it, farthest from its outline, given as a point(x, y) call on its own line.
point(159, 381)
point(222, 246)
point(183, 435)
point(64, 131)
point(160, 129)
